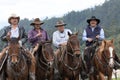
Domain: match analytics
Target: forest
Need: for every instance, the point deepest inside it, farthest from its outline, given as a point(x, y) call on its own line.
point(108, 13)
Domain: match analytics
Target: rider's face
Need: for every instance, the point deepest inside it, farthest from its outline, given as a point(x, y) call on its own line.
point(93, 23)
point(60, 28)
point(37, 26)
point(14, 21)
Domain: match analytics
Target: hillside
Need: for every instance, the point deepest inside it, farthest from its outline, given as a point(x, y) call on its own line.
point(108, 12)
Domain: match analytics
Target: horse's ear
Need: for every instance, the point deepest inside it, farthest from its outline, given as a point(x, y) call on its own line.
point(104, 42)
point(112, 41)
point(77, 33)
point(69, 34)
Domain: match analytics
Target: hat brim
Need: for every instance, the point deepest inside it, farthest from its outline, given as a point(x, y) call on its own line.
point(89, 20)
point(13, 17)
point(60, 25)
point(32, 24)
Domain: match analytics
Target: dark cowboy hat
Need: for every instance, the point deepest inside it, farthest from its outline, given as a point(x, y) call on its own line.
point(37, 21)
point(93, 18)
point(12, 17)
point(60, 23)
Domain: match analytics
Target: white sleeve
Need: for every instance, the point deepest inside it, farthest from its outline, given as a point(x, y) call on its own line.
point(55, 43)
point(102, 36)
point(84, 37)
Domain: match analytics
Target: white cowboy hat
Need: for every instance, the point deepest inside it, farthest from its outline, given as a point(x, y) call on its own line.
point(13, 16)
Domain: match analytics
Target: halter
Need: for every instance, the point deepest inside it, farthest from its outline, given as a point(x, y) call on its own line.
point(46, 64)
point(105, 58)
point(20, 58)
point(73, 50)
point(73, 55)
point(70, 68)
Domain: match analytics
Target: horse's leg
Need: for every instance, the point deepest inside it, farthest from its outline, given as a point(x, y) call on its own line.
point(101, 76)
point(66, 78)
point(77, 78)
point(51, 76)
point(91, 77)
point(110, 77)
point(2, 75)
point(32, 68)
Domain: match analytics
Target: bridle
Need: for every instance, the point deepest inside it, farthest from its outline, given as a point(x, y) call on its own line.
point(73, 55)
point(70, 45)
point(45, 62)
point(21, 57)
point(106, 64)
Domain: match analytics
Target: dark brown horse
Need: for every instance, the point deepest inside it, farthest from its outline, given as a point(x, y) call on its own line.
point(69, 60)
point(16, 67)
point(44, 61)
point(104, 61)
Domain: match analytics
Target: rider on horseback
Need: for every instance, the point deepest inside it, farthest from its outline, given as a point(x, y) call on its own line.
point(60, 36)
point(17, 31)
point(37, 34)
point(92, 32)
point(13, 31)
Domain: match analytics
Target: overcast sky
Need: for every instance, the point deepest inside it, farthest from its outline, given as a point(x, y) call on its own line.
point(42, 8)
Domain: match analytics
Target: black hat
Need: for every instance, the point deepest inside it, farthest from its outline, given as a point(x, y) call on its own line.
point(93, 18)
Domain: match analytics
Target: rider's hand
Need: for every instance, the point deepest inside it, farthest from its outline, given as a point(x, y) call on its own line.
point(90, 39)
point(63, 44)
point(39, 34)
point(8, 34)
point(98, 36)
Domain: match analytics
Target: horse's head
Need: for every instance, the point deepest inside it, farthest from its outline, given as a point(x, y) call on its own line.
point(13, 50)
point(47, 52)
point(107, 48)
point(73, 44)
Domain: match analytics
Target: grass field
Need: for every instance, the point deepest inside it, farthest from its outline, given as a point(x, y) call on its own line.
point(117, 79)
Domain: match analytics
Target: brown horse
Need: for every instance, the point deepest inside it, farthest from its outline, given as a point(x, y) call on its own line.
point(103, 61)
point(17, 67)
point(44, 61)
point(69, 60)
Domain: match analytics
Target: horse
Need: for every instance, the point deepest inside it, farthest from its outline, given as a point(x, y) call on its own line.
point(68, 60)
point(44, 61)
point(103, 61)
point(16, 66)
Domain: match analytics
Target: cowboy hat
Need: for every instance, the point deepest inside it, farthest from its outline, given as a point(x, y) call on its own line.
point(13, 16)
point(93, 18)
point(37, 21)
point(60, 23)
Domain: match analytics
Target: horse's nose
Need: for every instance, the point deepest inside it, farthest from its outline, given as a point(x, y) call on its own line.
point(111, 64)
point(14, 63)
point(50, 63)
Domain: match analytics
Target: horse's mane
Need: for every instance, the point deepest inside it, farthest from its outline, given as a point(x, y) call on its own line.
point(104, 44)
point(14, 40)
